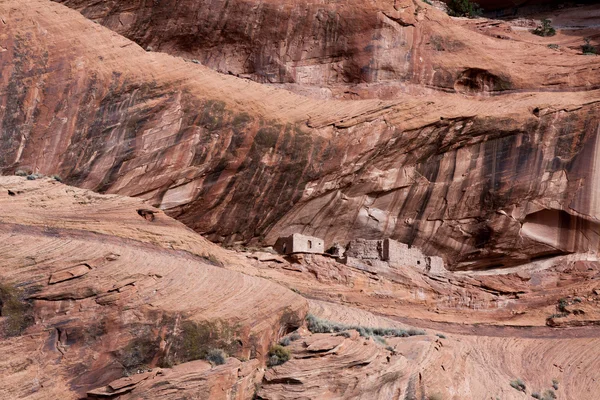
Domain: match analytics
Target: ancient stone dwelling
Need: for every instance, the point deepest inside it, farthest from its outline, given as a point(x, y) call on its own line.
point(298, 243)
point(363, 253)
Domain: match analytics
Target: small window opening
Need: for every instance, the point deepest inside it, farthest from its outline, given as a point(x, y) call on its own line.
point(418, 262)
point(310, 244)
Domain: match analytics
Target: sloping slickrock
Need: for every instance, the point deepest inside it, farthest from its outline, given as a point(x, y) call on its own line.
point(138, 297)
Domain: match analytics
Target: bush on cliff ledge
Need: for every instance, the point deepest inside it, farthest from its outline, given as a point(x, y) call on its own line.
point(464, 8)
point(545, 30)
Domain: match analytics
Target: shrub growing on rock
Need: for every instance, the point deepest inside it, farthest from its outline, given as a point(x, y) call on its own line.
point(545, 29)
point(18, 311)
point(216, 356)
point(464, 8)
point(518, 384)
point(549, 395)
point(318, 325)
point(278, 355)
point(587, 47)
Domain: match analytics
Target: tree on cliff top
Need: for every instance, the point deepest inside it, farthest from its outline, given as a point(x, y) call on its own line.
point(464, 8)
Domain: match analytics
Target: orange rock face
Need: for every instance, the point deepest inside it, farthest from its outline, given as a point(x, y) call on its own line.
point(480, 180)
point(473, 140)
point(113, 293)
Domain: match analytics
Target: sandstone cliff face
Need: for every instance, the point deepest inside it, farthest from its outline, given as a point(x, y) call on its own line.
point(407, 44)
point(481, 181)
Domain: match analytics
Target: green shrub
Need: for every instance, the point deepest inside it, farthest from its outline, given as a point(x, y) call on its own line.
point(441, 336)
point(21, 172)
point(17, 310)
point(464, 8)
point(212, 259)
point(318, 325)
point(549, 395)
point(285, 341)
point(139, 353)
point(562, 305)
point(555, 384)
point(536, 395)
point(518, 384)
point(216, 356)
point(545, 30)
point(587, 47)
point(559, 315)
point(278, 355)
point(196, 339)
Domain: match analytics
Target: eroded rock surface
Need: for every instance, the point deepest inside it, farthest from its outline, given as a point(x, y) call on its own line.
point(113, 293)
point(483, 182)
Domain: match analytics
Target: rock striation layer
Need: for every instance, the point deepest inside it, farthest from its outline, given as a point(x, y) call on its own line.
point(111, 293)
point(484, 181)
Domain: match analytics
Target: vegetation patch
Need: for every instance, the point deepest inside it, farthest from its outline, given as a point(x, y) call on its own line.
point(278, 355)
point(212, 259)
point(16, 309)
point(519, 385)
point(464, 8)
point(318, 325)
point(545, 29)
point(587, 47)
point(216, 357)
point(185, 341)
point(287, 340)
point(139, 353)
point(196, 340)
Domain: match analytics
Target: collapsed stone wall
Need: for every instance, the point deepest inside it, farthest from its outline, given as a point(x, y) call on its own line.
point(382, 254)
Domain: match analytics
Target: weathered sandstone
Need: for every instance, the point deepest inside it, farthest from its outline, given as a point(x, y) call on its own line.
point(481, 181)
point(111, 291)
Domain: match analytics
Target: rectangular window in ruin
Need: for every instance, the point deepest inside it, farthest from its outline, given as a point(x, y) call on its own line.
point(310, 244)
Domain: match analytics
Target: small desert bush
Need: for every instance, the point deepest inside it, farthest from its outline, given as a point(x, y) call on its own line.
point(216, 356)
point(545, 29)
point(464, 8)
point(518, 384)
point(562, 305)
point(587, 47)
point(549, 395)
point(278, 355)
point(435, 396)
point(139, 353)
point(555, 384)
point(441, 336)
point(17, 310)
point(285, 341)
point(318, 325)
point(212, 259)
point(194, 341)
point(21, 172)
